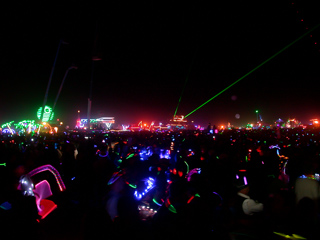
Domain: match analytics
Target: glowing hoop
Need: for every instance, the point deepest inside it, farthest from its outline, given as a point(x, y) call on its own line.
point(51, 169)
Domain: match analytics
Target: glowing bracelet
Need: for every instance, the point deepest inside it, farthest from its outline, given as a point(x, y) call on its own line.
point(195, 170)
point(156, 202)
point(115, 176)
point(51, 169)
point(170, 207)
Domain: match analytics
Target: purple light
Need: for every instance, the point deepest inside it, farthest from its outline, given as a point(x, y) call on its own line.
point(51, 169)
point(245, 180)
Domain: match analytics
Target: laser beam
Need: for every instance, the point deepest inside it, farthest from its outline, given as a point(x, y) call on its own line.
point(185, 83)
point(274, 55)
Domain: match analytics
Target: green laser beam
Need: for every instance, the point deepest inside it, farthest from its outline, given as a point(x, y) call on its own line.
point(185, 83)
point(289, 45)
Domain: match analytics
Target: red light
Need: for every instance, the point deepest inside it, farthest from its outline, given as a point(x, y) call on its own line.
point(301, 20)
point(190, 199)
point(242, 170)
point(315, 43)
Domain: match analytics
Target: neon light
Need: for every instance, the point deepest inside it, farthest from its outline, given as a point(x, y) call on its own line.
point(193, 171)
point(6, 130)
point(51, 169)
point(190, 199)
point(3, 164)
point(150, 182)
point(170, 207)
point(7, 124)
point(47, 114)
point(42, 190)
point(115, 176)
point(165, 154)
point(130, 156)
point(26, 185)
point(155, 201)
point(131, 185)
point(245, 180)
point(274, 55)
point(187, 166)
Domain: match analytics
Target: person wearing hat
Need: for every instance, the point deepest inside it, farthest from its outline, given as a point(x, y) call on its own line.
point(247, 205)
point(246, 217)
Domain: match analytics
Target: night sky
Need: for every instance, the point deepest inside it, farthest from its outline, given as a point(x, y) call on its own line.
point(153, 51)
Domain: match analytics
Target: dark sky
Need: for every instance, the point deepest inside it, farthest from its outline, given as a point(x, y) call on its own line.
point(149, 49)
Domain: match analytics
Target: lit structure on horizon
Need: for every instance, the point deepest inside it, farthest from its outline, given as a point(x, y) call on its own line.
point(315, 121)
point(102, 122)
point(47, 114)
point(178, 122)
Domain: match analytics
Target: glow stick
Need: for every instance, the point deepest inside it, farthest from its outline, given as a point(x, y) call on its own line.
point(115, 176)
point(3, 164)
point(51, 169)
point(191, 172)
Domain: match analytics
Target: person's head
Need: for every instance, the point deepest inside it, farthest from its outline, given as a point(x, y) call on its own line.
point(242, 185)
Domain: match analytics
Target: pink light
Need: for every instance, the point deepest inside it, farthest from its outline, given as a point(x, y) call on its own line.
point(245, 180)
point(42, 191)
point(51, 169)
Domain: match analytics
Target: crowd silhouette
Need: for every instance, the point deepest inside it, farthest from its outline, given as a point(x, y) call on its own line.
point(230, 184)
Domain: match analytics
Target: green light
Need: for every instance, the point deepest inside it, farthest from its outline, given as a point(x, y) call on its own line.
point(47, 114)
point(257, 111)
point(185, 83)
point(130, 156)
point(156, 202)
point(133, 186)
point(187, 166)
point(8, 124)
point(172, 209)
point(289, 45)
point(3, 164)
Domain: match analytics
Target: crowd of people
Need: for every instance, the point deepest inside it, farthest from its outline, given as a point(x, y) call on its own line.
point(232, 184)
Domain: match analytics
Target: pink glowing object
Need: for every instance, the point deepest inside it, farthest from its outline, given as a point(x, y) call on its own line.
point(51, 169)
point(42, 191)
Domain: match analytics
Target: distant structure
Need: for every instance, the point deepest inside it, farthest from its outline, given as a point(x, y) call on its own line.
point(98, 123)
point(178, 122)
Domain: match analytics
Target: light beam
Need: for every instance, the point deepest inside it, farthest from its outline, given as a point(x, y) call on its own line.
point(289, 45)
